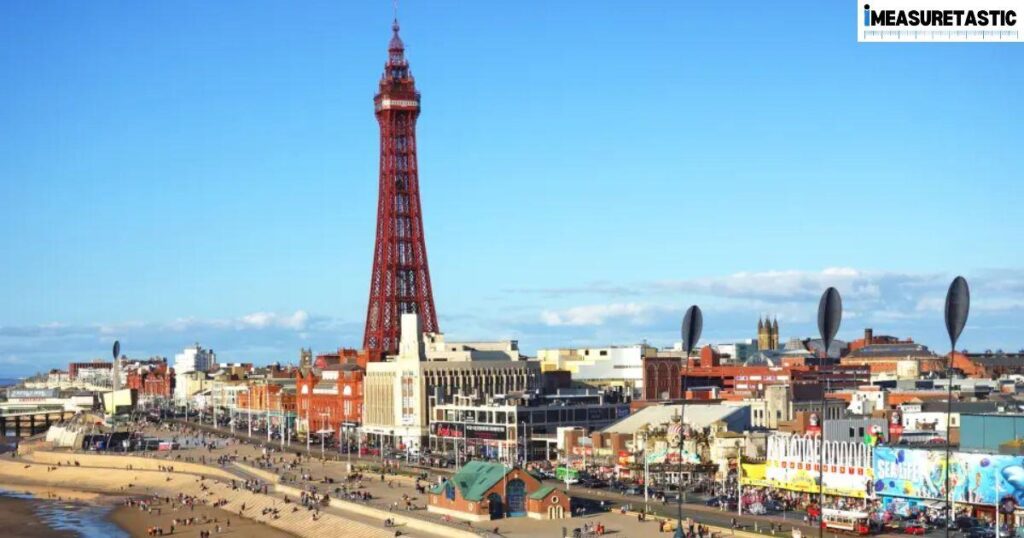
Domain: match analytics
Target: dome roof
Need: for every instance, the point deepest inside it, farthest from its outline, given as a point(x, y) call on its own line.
point(396, 42)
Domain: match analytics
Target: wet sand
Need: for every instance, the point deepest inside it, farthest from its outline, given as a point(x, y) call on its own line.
point(18, 517)
point(51, 492)
point(136, 521)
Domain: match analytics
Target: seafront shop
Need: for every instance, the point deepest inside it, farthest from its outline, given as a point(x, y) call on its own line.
point(911, 481)
point(514, 427)
point(489, 441)
point(790, 472)
point(662, 466)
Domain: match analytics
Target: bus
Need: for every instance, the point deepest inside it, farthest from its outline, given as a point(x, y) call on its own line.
point(846, 521)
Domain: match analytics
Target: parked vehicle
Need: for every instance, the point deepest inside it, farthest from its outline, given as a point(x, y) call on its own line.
point(980, 532)
point(756, 509)
point(846, 521)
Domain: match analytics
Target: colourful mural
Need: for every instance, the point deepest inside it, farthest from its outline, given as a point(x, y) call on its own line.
point(974, 478)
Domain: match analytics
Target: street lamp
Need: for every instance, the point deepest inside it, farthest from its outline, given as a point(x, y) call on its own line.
point(958, 306)
point(324, 419)
point(693, 323)
point(830, 314)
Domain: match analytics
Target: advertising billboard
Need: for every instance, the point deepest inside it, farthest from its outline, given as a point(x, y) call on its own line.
point(974, 478)
point(792, 464)
point(444, 429)
point(486, 431)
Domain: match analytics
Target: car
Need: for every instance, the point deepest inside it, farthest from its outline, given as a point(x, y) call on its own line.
point(713, 501)
point(965, 523)
point(915, 529)
point(980, 532)
point(756, 509)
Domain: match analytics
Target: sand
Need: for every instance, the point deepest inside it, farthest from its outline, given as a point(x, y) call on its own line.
point(136, 521)
point(51, 492)
point(115, 480)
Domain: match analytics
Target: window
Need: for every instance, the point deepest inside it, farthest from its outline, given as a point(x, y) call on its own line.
point(851, 431)
point(860, 431)
point(604, 352)
point(449, 491)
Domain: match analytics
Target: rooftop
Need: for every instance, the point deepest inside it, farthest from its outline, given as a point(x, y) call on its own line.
point(697, 416)
point(475, 478)
point(900, 350)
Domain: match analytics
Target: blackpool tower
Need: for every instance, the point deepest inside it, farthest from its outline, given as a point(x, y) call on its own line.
point(400, 281)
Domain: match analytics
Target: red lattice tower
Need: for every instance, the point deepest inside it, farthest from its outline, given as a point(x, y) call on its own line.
point(400, 282)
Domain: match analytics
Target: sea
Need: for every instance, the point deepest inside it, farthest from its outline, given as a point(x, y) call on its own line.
point(8, 381)
point(88, 520)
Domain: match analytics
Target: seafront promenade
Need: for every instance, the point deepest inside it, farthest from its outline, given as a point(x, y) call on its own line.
point(208, 462)
point(359, 498)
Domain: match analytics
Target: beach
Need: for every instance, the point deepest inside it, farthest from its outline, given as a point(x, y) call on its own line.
point(162, 514)
point(208, 493)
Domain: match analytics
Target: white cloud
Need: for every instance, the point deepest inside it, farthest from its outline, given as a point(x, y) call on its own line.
point(594, 314)
point(261, 320)
point(258, 337)
point(897, 303)
point(792, 285)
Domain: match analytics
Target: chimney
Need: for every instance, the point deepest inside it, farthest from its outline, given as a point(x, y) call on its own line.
point(869, 335)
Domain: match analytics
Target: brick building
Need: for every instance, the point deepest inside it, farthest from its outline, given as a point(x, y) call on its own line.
point(989, 364)
point(263, 396)
point(330, 398)
point(887, 357)
point(345, 356)
point(483, 491)
point(663, 375)
point(153, 379)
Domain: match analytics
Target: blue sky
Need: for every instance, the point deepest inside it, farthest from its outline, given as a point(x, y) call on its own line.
point(182, 171)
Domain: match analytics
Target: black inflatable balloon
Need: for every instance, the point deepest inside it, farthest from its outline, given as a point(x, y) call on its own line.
point(958, 306)
point(830, 314)
point(693, 322)
point(117, 349)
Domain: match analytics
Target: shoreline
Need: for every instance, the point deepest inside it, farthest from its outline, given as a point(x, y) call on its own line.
point(108, 489)
point(18, 512)
point(35, 510)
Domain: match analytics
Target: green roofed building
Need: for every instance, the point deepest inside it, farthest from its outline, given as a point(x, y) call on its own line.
point(483, 491)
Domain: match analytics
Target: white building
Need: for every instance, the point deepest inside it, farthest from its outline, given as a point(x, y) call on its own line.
point(400, 393)
point(194, 359)
point(188, 384)
point(867, 400)
point(735, 352)
point(606, 367)
point(95, 375)
point(438, 350)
